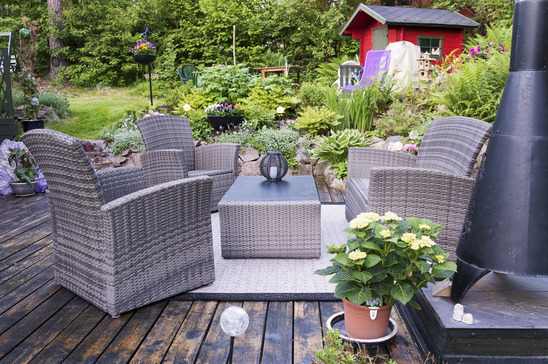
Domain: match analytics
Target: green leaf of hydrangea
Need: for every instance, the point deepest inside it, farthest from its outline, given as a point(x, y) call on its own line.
point(446, 266)
point(402, 292)
point(372, 260)
point(342, 290)
point(342, 276)
point(327, 271)
point(362, 276)
point(359, 296)
point(343, 259)
point(422, 265)
point(371, 245)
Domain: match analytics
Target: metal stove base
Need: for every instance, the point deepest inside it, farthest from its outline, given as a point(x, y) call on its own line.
point(510, 322)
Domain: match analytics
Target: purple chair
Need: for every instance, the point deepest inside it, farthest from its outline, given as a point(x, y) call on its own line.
point(376, 62)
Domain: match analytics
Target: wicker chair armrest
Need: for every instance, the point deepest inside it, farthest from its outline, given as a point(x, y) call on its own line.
point(218, 156)
point(160, 166)
point(118, 182)
point(361, 160)
point(153, 222)
point(408, 188)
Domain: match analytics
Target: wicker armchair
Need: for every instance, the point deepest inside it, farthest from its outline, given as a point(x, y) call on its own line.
point(435, 184)
point(170, 139)
point(117, 243)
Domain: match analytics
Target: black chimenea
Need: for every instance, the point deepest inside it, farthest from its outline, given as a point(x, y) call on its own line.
point(507, 226)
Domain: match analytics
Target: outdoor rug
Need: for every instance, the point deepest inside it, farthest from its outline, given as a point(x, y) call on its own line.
point(273, 279)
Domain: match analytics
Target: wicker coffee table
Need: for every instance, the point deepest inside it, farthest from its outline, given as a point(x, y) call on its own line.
point(261, 219)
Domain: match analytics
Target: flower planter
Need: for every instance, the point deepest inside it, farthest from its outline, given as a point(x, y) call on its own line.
point(223, 122)
point(361, 323)
point(22, 189)
point(32, 124)
point(144, 59)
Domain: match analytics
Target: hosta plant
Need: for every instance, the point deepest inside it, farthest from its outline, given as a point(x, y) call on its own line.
point(387, 259)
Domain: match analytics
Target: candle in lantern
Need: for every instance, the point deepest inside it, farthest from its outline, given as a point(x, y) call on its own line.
point(273, 172)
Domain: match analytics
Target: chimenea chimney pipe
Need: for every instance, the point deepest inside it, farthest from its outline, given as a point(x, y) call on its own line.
point(506, 229)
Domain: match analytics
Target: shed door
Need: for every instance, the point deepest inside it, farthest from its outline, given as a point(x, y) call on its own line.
point(380, 38)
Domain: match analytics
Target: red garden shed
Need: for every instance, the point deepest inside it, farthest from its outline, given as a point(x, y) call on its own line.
point(431, 29)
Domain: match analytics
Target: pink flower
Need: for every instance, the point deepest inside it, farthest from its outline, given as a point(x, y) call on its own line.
point(410, 147)
point(491, 43)
point(503, 49)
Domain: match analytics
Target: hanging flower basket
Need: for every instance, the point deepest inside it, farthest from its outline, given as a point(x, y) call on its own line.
point(144, 59)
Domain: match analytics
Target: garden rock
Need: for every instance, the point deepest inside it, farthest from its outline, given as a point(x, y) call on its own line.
point(319, 168)
point(250, 168)
point(249, 155)
point(339, 184)
point(117, 161)
point(304, 170)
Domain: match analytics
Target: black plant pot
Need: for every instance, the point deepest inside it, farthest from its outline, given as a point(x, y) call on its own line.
point(224, 122)
point(144, 59)
point(33, 124)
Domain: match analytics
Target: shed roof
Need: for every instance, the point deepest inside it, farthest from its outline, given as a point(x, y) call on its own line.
point(410, 16)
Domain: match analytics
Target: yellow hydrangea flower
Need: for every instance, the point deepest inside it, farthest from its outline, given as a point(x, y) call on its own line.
point(359, 223)
point(369, 216)
point(408, 237)
point(385, 233)
point(439, 258)
point(426, 241)
point(425, 227)
point(357, 255)
point(390, 216)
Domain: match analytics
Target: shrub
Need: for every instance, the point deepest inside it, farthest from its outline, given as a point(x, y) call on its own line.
point(476, 90)
point(59, 102)
point(226, 83)
point(316, 120)
point(122, 135)
point(287, 139)
point(124, 139)
point(242, 137)
point(312, 94)
point(334, 149)
point(401, 119)
point(270, 99)
point(257, 117)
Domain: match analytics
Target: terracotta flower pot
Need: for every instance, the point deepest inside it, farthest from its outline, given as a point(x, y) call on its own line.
point(359, 325)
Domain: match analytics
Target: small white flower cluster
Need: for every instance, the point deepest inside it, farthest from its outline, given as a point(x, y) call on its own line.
point(357, 255)
point(364, 219)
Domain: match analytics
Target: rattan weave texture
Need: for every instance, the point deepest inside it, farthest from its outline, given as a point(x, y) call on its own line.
point(435, 184)
point(168, 132)
point(117, 244)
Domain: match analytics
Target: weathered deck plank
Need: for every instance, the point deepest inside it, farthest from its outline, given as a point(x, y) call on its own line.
point(40, 322)
point(278, 337)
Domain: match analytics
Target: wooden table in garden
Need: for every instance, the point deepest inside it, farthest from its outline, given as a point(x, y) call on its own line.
point(284, 69)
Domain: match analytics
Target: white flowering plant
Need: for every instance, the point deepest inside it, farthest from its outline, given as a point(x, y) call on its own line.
point(387, 259)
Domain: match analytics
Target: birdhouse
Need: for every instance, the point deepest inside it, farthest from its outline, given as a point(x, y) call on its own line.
point(425, 67)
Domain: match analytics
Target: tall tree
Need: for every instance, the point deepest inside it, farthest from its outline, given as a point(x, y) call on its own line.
point(57, 61)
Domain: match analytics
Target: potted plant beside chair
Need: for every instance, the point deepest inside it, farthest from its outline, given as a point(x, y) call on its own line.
point(25, 171)
point(385, 259)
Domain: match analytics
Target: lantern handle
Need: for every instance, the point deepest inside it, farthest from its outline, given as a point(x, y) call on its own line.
point(266, 148)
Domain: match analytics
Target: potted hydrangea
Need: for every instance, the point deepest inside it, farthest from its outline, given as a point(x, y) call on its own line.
point(144, 52)
point(386, 259)
point(221, 116)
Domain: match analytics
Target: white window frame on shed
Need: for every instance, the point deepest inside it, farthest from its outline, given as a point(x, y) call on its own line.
point(429, 48)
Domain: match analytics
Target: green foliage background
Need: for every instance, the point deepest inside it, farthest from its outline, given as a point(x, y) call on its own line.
point(98, 33)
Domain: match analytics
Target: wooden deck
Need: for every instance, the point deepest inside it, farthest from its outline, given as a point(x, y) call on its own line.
point(40, 322)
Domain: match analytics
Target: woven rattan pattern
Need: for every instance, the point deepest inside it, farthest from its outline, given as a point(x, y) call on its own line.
point(115, 244)
point(220, 161)
point(436, 184)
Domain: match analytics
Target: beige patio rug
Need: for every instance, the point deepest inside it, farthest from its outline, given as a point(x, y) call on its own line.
point(273, 279)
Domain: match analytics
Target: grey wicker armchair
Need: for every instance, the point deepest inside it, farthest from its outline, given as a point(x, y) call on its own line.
point(170, 139)
point(117, 243)
point(435, 184)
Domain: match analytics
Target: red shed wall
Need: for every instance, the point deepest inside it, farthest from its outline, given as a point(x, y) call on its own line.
point(452, 37)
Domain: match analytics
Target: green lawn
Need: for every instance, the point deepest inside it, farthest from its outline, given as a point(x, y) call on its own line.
point(92, 110)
